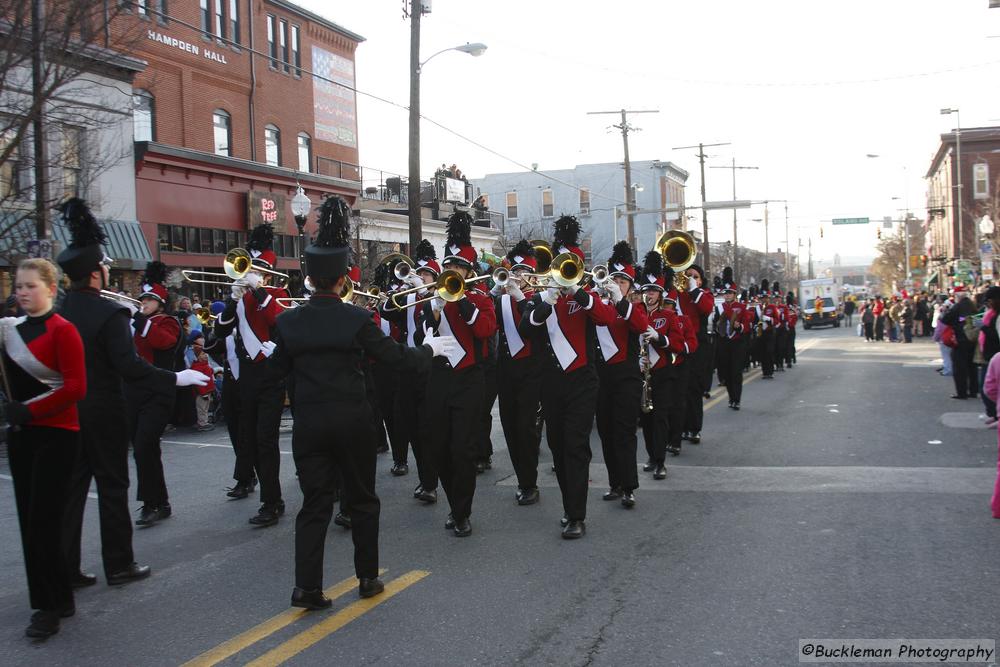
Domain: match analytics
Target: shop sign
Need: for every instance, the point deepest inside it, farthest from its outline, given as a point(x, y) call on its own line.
point(266, 207)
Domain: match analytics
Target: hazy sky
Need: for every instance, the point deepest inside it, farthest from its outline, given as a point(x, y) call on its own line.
point(803, 89)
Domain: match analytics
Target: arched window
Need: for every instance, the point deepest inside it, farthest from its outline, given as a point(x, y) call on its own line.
point(272, 145)
point(223, 132)
point(143, 116)
point(305, 152)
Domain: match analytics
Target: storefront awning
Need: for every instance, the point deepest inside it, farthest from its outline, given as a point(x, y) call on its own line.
point(934, 279)
point(126, 243)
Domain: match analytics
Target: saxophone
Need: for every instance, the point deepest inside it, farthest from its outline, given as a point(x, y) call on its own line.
point(646, 402)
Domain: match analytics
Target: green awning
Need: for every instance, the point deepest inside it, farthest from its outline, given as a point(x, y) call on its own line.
point(126, 243)
point(934, 279)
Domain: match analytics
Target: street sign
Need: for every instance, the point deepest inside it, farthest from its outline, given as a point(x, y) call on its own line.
point(725, 204)
point(850, 221)
point(40, 248)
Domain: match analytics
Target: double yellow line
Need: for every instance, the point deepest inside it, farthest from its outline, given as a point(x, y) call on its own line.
point(310, 636)
point(751, 376)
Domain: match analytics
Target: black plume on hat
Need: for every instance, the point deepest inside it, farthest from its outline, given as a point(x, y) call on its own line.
point(790, 298)
point(567, 232)
point(716, 283)
point(752, 291)
point(424, 251)
point(459, 229)
point(262, 236)
point(652, 264)
point(334, 226)
point(743, 295)
point(329, 254)
point(521, 249)
point(83, 227)
point(775, 288)
point(764, 286)
point(727, 276)
point(621, 254)
point(381, 276)
point(156, 273)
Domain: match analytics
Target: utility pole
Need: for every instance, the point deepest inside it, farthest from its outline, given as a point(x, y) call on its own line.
point(706, 255)
point(38, 124)
point(788, 248)
point(809, 273)
point(629, 193)
point(736, 247)
point(413, 185)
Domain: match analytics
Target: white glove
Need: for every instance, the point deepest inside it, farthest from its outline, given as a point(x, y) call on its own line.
point(497, 290)
point(237, 291)
point(692, 284)
point(551, 295)
point(132, 308)
point(188, 377)
point(650, 335)
point(253, 280)
point(515, 292)
point(437, 304)
point(267, 347)
point(441, 345)
point(614, 291)
point(413, 280)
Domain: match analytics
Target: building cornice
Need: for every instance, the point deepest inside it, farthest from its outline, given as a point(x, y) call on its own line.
point(316, 18)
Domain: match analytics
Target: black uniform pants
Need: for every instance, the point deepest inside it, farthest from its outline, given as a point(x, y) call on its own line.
point(410, 424)
point(767, 352)
point(699, 368)
point(568, 404)
point(148, 415)
point(519, 386)
point(231, 410)
point(780, 343)
point(618, 396)
point(963, 371)
point(664, 425)
point(104, 458)
point(789, 347)
point(41, 464)
point(332, 439)
point(711, 354)
point(261, 403)
point(490, 391)
point(454, 412)
point(371, 396)
point(732, 356)
point(386, 383)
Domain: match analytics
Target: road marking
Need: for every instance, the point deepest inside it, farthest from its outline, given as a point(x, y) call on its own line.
point(266, 629)
point(90, 494)
point(325, 628)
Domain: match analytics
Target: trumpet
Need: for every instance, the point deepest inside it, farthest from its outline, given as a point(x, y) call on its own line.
point(204, 315)
point(120, 298)
point(236, 265)
point(450, 286)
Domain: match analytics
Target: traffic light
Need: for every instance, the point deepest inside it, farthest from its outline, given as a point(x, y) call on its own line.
point(923, 260)
point(878, 232)
point(821, 231)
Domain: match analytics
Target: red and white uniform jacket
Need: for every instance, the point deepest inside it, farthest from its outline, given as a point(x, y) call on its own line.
point(770, 315)
point(619, 341)
point(512, 343)
point(736, 320)
point(253, 323)
point(46, 368)
point(156, 339)
point(405, 324)
point(697, 305)
point(792, 318)
point(472, 321)
point(567, 326)
point(677, 340)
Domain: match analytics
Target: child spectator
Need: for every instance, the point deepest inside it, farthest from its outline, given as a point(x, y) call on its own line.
point(204, 399)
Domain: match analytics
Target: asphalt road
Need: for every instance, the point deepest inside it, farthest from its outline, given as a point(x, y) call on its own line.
point(847, 499)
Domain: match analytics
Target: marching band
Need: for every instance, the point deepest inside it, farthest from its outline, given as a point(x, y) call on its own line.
point(425, 353)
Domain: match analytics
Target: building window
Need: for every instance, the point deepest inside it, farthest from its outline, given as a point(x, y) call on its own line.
point(220, 19)
point(143, 121)
point(72, 138)
point(219, 241)
point(512, 206)
point(283, 41)
point(140, 7)
point(584, 201)
point(296, 56)
point(232, 240)
point(206, 17)
point(272, 41)
point(223, 133)
point(163, 235)
point(11, 169)
point(980, 179)
point(177, 236)
point(272, 145)
point(548, 206)
point(305, 152)
point(192, 238)
point(206, 241)
point(234, 20)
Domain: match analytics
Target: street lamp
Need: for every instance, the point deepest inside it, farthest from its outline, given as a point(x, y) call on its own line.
point(300, 210)
point(413, 187)
point(958, 172)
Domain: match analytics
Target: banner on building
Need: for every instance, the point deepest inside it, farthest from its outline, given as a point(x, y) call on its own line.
point(334, 101)
point(454, 190)
point(267, 207)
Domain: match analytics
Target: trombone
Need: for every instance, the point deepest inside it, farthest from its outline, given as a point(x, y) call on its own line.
point(120, 298)
point(347, 294)
point(236, 265)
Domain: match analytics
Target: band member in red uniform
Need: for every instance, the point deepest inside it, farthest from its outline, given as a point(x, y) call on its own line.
point(791, 321)
point(735, 321)
point(697, 303)
point(250, 314)
point(518, 373)
point(769, 316)
point(780, 327)
point(409, 413)
point(156, 339)
point(386, 378)
point(620, 381)
point(564, 319)
point(44, 368)
point(455, 388)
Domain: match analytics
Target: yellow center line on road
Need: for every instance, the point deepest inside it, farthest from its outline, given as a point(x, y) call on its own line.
point(267, 628)
point(325, 628)
point(750, 377)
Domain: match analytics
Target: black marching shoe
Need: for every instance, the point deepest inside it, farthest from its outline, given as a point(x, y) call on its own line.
point(660, 472)
point(649, 465)
point(685, 435)
point(399, 469)
point(268, 514)
point(527, 496)
point(342, 520)
point(43, 625)
point(67, 610)
point(133, 572)
point(574, 530)
point(417, 491)
point(312, 600)
point(150, 515)
point(628, 500)
point(613, 494)
point(463, 527)
point(734, 405)
point(674, 449)
point(564, 521)
point(707, 394)
point(370, 587)
point(240, 491)
point(480, 467)
point(694, 438)
point(429, 496)
point(449, 524)
point(82, 579)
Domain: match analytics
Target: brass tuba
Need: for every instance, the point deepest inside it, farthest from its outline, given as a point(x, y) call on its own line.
point(679, 251)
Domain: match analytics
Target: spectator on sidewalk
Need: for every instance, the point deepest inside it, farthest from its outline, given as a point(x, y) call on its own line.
point(204, 399)
point(938, 327)
point(991, 387)
point(849, 307)
point(906, 318)
point(920, 327)
point(963, 370)
point(878, 310)
point(868, 320)
point(989, 345)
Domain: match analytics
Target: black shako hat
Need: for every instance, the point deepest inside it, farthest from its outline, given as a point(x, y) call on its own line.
point(329, 254)
point(84, 253)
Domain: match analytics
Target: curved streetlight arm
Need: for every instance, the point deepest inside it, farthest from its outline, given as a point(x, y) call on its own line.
point(477, 49)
